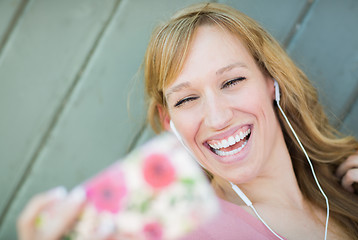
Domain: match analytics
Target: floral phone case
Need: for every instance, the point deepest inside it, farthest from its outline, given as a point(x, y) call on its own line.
point(156, 192)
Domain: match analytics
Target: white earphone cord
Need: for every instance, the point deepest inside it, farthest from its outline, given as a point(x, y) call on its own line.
point(243, 196)
point(249, 203)
point(312, 170)
point(233, 186)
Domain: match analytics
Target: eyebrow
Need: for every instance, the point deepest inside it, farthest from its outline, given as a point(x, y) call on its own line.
point(177, 88)
point(229, 67)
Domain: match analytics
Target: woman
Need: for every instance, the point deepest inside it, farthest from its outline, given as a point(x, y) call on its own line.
point(210, 71)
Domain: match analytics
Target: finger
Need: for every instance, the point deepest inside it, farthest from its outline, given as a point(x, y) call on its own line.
point(351, 162)
point(63, 216)
point(27, 219)
point(74, 206)
point(349, 178)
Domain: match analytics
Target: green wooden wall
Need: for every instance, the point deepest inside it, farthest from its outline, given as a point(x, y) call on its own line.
point(71, 91)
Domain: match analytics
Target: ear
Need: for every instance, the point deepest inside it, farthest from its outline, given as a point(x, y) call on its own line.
point(164, 117)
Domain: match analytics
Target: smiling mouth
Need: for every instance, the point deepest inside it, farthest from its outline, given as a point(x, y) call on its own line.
point(230, 146)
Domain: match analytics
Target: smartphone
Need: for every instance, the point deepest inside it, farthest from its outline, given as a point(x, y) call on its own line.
point(156, 192)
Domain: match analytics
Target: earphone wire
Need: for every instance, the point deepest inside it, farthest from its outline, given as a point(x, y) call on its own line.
point(238, 190)
point(311, 166)
point(233, 186)
point(259, 217)
point(177, 135)
point(249, 204)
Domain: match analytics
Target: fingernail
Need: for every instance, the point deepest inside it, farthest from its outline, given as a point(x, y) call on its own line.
point(77, 195)
point(59, 192)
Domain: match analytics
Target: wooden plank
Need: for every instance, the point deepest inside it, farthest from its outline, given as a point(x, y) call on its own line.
point(7, 10)
point(276, 16)
point(37, 70)
point(95, 127)
point(327, 50)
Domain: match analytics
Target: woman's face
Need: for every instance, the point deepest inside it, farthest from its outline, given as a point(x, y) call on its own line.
point(222, 106)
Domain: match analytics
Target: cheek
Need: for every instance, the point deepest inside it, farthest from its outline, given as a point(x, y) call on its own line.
point(259, 101)
point(186, 124)
point(249, 101)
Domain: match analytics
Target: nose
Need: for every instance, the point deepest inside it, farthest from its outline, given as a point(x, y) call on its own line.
point(217, 113)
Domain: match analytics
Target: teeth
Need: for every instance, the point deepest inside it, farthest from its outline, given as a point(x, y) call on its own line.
point(230, 141)
point(242, 135)
point(224, 154)
point(225, 143)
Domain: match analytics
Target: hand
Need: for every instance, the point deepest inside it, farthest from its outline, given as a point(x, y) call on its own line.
point(50, 215)
point(348, 172)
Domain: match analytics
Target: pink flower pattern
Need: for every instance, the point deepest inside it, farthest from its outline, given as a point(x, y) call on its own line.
point(153, 231)
point(158, 171)
point(127, 192)
point(107, 190)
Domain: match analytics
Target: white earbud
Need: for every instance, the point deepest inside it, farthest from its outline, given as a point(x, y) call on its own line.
point(277, 92)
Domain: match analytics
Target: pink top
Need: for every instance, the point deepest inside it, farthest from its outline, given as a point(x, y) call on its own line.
point(232, 223)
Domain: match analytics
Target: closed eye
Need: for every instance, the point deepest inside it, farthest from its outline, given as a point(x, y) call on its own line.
point(232, 82)
point(184, 100)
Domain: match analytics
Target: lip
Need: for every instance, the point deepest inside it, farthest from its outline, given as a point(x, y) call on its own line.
point(238, 157)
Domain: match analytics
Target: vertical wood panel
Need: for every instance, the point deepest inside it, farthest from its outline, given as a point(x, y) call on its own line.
point(95, 127)
point(7, 10)
point(327, 50)
point(277, 16)
point(37, 70)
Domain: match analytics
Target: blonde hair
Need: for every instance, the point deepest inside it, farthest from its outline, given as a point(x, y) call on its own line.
point(326, 147)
